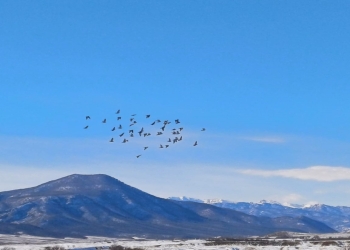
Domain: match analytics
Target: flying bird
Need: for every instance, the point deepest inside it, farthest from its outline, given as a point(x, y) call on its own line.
point(163, 127)
point(158, 121)
point(195, 144)
point(121, 134)
point(131, 119)
point(118, 111)
point(181, 129)
point(131, 131)
point(113, 128)
point(86, 127)
point(131, 135)
point(148, 134)
point(120, 127)
point(144, 148)
point(138, 156)
point(104, 121)
point(148, 116)
point(166, 146)
point(159, 133)
point(203, 129)
point(169, 140)
point(112, 140)
point(133, 115)
point(125, 140)
point(161, 146)
point(140, 132)
point(87, 117)
point(177, 121)
point(119, 118)
point(153, 123)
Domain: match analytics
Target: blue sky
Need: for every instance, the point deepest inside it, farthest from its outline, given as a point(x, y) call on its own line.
point(268, 79)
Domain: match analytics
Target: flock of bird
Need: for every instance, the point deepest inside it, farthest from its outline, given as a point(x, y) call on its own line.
point(176, 132)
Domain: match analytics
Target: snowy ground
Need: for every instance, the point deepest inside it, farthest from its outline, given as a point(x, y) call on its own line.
point(303, 241)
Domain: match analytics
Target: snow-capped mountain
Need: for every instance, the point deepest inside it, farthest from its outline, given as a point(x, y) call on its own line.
point(80, 205)
point(337, 217)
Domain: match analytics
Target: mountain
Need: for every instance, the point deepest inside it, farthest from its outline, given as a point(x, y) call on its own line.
point(81, 205)
point(337, 217)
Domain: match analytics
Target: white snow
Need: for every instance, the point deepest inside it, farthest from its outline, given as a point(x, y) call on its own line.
point(26, 242)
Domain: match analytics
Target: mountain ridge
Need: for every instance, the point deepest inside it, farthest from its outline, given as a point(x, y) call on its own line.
point(337, 217)
point(81, 205)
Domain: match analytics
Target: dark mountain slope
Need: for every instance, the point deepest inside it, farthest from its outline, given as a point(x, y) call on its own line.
point(80, 205)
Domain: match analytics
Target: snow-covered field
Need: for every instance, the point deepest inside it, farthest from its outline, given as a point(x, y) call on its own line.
point(303, 241)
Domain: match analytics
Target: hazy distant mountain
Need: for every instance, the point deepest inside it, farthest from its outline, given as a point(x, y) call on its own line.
point(80, 205)
point(337, 217)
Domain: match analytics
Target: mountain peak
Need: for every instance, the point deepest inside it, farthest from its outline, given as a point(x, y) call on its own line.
point(74, 184)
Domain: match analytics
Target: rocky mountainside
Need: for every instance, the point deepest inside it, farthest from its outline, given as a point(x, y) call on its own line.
point(80, 205)
point(337, 217)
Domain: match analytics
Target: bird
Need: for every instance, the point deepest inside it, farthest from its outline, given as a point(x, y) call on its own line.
point(131, 135)
point(163, 127)
point(131, 119)
point(132, 124)
point(119, 118)
point(138, 156)
point(112, 140)
point(177, 132)
point(120, 126)
point(131, 131)
point(113, 128)
point(118, 111)
point(148, 134)
point(86, 127)
point(104, 121)
point(166, 146)
point(157, 120)
point(153, 123)
point(144, 148)
point(180, 139)
point(174, 133)
point(195, 144)
point(148, 116)
point(121, 134)
point(133, 115)
point(159, 133)
point(161, 146)
point(135, 122)
point(203, 129)
point(169, 140)
point(177, 121)
point(165, 122)
point(181, 129)
point(140, 132)
point(125, 140)
point(144, 134)
point(87, 117)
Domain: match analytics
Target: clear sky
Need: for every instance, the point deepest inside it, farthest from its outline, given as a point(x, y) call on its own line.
point(269, 80)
